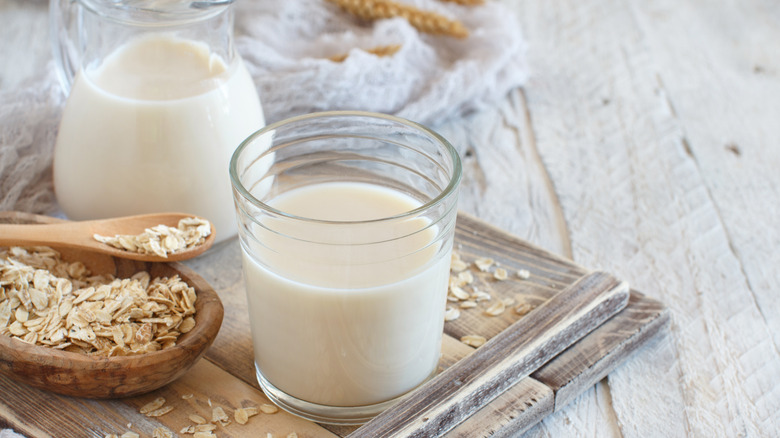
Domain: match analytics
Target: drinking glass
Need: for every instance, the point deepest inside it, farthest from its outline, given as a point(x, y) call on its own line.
point(346, 224)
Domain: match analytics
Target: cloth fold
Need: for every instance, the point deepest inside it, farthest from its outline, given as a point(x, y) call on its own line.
point(29, 118)
point(286, 45)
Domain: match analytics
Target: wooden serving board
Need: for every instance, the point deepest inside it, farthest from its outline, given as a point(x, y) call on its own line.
point(226, 378)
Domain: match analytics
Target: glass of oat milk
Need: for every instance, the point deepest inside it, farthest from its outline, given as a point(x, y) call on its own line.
point(346, 223)
point(158, 99)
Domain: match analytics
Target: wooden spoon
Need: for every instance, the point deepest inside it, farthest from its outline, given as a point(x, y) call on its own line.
point(80, 235)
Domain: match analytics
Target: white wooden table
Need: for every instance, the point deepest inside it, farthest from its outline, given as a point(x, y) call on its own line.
point(645, 144)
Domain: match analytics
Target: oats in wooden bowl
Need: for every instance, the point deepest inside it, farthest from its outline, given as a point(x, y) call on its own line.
point(89, 325)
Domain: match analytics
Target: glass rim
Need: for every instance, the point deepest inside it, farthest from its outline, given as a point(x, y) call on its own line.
point(452, 184)
point(155, 14)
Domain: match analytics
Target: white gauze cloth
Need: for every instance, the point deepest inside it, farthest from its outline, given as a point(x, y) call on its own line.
point(285, 45)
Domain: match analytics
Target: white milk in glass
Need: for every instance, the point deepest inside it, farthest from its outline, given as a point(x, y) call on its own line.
point(343, 325)
point(153, 129)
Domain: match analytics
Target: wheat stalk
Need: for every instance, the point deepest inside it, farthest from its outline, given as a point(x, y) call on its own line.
point(422, 20)
point(378, 51)
point(466, 2)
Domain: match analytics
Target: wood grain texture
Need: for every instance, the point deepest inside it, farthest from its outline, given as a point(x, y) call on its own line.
point(38, 413)
point(572, 372)
point(633, 116)
point(519, 408)
point(599, 352)
point(505, 359)
point(504, 179)
point(731, 139)
point(730, 135)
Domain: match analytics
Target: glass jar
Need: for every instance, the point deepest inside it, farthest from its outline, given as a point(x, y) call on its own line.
point(158, 99)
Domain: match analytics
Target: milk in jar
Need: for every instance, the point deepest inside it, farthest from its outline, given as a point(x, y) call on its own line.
point(347, 326)
point(151, 129)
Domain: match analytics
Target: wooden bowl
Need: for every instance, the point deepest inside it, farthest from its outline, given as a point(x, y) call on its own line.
point(80, 375)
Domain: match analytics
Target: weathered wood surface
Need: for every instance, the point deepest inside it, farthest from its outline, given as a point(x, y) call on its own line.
point(644, 145)
point(599, 352)
point(656, 124)
point(37, 413)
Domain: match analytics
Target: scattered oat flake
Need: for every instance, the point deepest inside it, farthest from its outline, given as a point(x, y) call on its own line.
point(495, 309)
point(451, 314)
point(465, 277)
point(458, 266)
point(459, 293)
point(204, 435)
point(160, 412)
point(524, 274)
point(483, 264)
point(187, 396)
point(292, 435)
point(162, 432)
point(473, 340)
point(152, 405)
point(523, 309)
point(218, 415)
point(468, 304)
point(251, 410)
point(240, 416)
point(508, 301)
point(197, 419)
point(500, 274)
point(130, 435)
point(479, 295)
point(268, 409)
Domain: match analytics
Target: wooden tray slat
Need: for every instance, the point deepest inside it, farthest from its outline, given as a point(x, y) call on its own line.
point(472, 383)
point(598, 353)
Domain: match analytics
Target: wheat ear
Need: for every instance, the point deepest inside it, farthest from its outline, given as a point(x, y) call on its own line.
point(378, 51)
point(466, 2)
point(424, 21)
